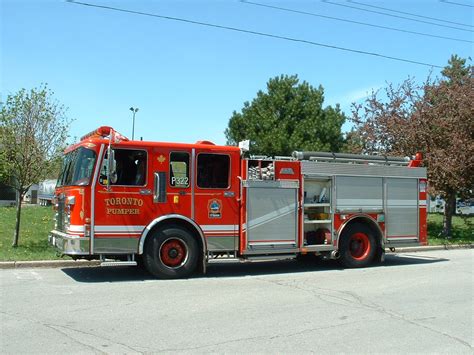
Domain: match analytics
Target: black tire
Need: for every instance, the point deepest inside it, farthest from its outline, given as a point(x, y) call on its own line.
point(140, 261)
point(357, 246)
point(171, 252)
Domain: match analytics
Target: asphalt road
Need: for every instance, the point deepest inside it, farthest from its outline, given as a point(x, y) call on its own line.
point(419, 302)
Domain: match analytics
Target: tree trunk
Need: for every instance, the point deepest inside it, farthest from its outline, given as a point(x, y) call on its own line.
point(19, 197)
point(449, 210)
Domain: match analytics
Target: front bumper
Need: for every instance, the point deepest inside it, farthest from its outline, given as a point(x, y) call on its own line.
point(69, 244)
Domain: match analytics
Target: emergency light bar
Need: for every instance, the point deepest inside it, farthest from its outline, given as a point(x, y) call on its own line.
point(105, 131)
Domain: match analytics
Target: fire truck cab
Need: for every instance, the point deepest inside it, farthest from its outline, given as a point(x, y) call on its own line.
point(175, 207)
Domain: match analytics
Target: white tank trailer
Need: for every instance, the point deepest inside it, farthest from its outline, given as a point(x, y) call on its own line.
point(46, 192)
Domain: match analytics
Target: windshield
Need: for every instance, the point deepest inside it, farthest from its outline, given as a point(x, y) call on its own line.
point(77, 167)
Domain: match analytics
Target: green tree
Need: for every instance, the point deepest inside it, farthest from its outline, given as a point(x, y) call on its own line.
point(436, 118)
point(457, 71)
point(288, 116)
point(353, 142)
point(33, 130)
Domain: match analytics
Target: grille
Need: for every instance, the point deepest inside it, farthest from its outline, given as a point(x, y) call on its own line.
point(61, 213)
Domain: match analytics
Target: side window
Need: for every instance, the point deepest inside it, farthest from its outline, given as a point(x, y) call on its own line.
point(131, 167)
point(213, 171)
point(179, 169)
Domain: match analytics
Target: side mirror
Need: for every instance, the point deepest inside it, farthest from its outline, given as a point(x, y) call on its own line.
point(111, 167)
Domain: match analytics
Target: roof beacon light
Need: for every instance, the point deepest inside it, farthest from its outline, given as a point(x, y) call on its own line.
point(103, 132)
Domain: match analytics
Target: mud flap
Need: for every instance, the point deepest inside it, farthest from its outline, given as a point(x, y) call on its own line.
point(379, 256)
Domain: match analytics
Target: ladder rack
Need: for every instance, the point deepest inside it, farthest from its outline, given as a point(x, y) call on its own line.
point(351, 158)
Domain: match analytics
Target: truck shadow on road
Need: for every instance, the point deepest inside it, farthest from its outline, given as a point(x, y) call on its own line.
point(237, 269)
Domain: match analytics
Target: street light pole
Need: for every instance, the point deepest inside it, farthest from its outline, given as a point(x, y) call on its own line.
point(134, 111)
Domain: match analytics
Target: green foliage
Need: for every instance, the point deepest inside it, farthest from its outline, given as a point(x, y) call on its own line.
point(3, 168)
point(37, 222)
point(33, 130)
point(288, 116)
point(456, 70)
point(353, 143)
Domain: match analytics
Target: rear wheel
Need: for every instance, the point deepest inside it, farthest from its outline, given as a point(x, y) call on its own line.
point(171, 252)
point(357, 246)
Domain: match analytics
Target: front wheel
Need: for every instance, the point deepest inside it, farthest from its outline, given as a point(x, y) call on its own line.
point(171, 252)
point(357, 246)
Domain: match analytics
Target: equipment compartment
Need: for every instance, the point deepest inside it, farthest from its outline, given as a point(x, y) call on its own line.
point(317, 215)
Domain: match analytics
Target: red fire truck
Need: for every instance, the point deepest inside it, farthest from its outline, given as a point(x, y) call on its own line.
point(177, 206)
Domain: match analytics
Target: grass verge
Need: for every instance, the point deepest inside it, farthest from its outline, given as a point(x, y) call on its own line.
point(37, 221)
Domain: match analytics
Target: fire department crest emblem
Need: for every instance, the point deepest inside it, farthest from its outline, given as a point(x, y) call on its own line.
point(214, 208)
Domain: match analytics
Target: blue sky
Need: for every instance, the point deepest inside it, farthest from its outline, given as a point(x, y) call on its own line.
point(187, 80)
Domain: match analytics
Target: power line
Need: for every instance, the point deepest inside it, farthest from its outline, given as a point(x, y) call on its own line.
point(409, 13)
point(397, 16)
point(352, 21)
point(456, 3)
point(263, 34)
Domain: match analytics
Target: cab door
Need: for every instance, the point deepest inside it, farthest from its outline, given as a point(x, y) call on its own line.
point(216, 207)
point(122, 207)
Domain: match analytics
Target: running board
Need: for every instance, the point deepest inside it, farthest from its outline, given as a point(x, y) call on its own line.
point(270, 257)
point(118, 263)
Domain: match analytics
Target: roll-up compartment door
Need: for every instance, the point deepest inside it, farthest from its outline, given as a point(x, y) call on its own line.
point(272, 213)
point(402, 209)
point(354, 193)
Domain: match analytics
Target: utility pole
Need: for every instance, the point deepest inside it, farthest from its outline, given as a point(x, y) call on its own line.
point(134, 111)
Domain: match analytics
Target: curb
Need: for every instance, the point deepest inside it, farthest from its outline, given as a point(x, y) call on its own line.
point(47, 263)
point(430, 248)
point(87, 263)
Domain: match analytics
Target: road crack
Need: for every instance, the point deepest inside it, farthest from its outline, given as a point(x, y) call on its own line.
point(261, 337)
point(361, 303)
point(61, 330)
